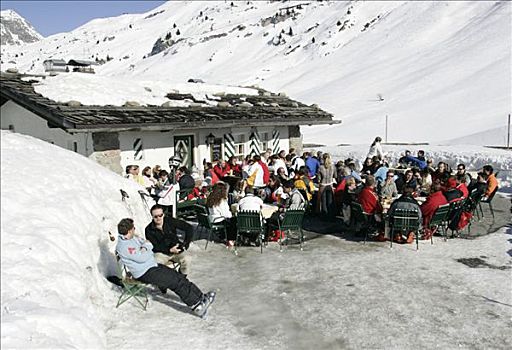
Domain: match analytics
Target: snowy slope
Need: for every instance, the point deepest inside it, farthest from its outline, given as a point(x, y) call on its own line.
point(434, 63)
point(15, 30)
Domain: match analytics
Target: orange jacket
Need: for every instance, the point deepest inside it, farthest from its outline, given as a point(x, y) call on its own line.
point(492, 184)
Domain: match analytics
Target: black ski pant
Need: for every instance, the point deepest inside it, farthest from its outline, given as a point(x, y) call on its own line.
point(165, 277)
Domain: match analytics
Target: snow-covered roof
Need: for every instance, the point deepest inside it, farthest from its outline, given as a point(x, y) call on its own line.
point(194, 109)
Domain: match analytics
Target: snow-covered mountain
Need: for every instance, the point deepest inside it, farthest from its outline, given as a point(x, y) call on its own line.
point(439, 70)
point(15, 30)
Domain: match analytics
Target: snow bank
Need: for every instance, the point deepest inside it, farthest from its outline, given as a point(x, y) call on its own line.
point(57, 209)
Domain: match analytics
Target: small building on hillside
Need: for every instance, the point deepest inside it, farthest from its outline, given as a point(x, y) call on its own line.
point(199, 129)
point(55, 66)
point(82, 66)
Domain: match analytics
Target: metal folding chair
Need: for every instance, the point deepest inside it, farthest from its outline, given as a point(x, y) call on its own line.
point(203, 221)
point(247, 223)
point(359, 217)
point(439, 220)
point(131, 287)
point(292, 221)
point(406, 221)
point(488, 200)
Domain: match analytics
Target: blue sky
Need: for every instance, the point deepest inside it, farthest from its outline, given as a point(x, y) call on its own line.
point(51, 17)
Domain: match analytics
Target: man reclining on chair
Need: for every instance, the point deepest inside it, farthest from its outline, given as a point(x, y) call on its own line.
point(137, 256)
point(162, 233)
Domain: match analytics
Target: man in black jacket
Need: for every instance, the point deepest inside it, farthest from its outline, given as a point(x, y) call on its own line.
point(406, 202)
point(162, 233)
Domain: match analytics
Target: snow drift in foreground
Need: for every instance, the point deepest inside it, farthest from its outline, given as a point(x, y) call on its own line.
point(57, 209)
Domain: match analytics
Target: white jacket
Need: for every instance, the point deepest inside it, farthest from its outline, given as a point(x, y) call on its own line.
point(376, 150)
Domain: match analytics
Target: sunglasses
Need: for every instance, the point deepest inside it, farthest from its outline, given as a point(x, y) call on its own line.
point(158, 216)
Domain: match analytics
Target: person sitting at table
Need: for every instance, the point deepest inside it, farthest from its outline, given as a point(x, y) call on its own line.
point(492, 182)
point(351, 164)
point(210, 178)
point(405, 202)
point(408, 180)
point(295, 201)
point(426, 182)
point(349, 195)
point(273, 190)
point(185, 179)
point(388, 188)
point(250, 201)
point(461, 186)
point(280, 162)
point(235, 169)
point(282, 174)
point(461, 172)
point(433, 201)
point(451, 192)
point(403, 160)
point(219, 211)
point(421, 155)
point(221, 169)
point(442, 174)
point(367, 167)
point(380, 172)
point(369, 200)
point(480, 184)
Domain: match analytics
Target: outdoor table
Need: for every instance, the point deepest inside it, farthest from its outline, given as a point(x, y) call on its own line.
point(231, 180)
point(266, 211)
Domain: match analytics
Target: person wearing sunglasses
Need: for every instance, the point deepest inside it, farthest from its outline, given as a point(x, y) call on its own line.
point(136, 255)
point(462, 175)
point(162, 232)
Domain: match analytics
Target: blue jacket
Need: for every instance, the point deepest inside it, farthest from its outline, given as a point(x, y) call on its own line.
point(381, 173)
point(312, 164)
point(415, 162)
point(136, 254)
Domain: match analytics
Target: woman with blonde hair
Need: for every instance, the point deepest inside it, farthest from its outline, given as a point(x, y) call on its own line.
point(219, 211)
point(325, 198)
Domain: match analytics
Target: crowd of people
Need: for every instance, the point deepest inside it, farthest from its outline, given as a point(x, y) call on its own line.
point(315, 182)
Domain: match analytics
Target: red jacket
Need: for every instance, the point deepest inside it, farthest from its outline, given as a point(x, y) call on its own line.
point(369, 201)
point(464, 189)
point(266, 173)
point(430, 206)
point(237, 169)
point(221, 172)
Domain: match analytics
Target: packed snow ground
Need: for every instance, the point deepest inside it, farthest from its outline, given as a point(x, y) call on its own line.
point(57, 209)
point(442, 68)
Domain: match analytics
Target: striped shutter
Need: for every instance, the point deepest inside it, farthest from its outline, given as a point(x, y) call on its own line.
point(254, 143)
point(137, 149)
point(229, 146)
point(276, 140)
